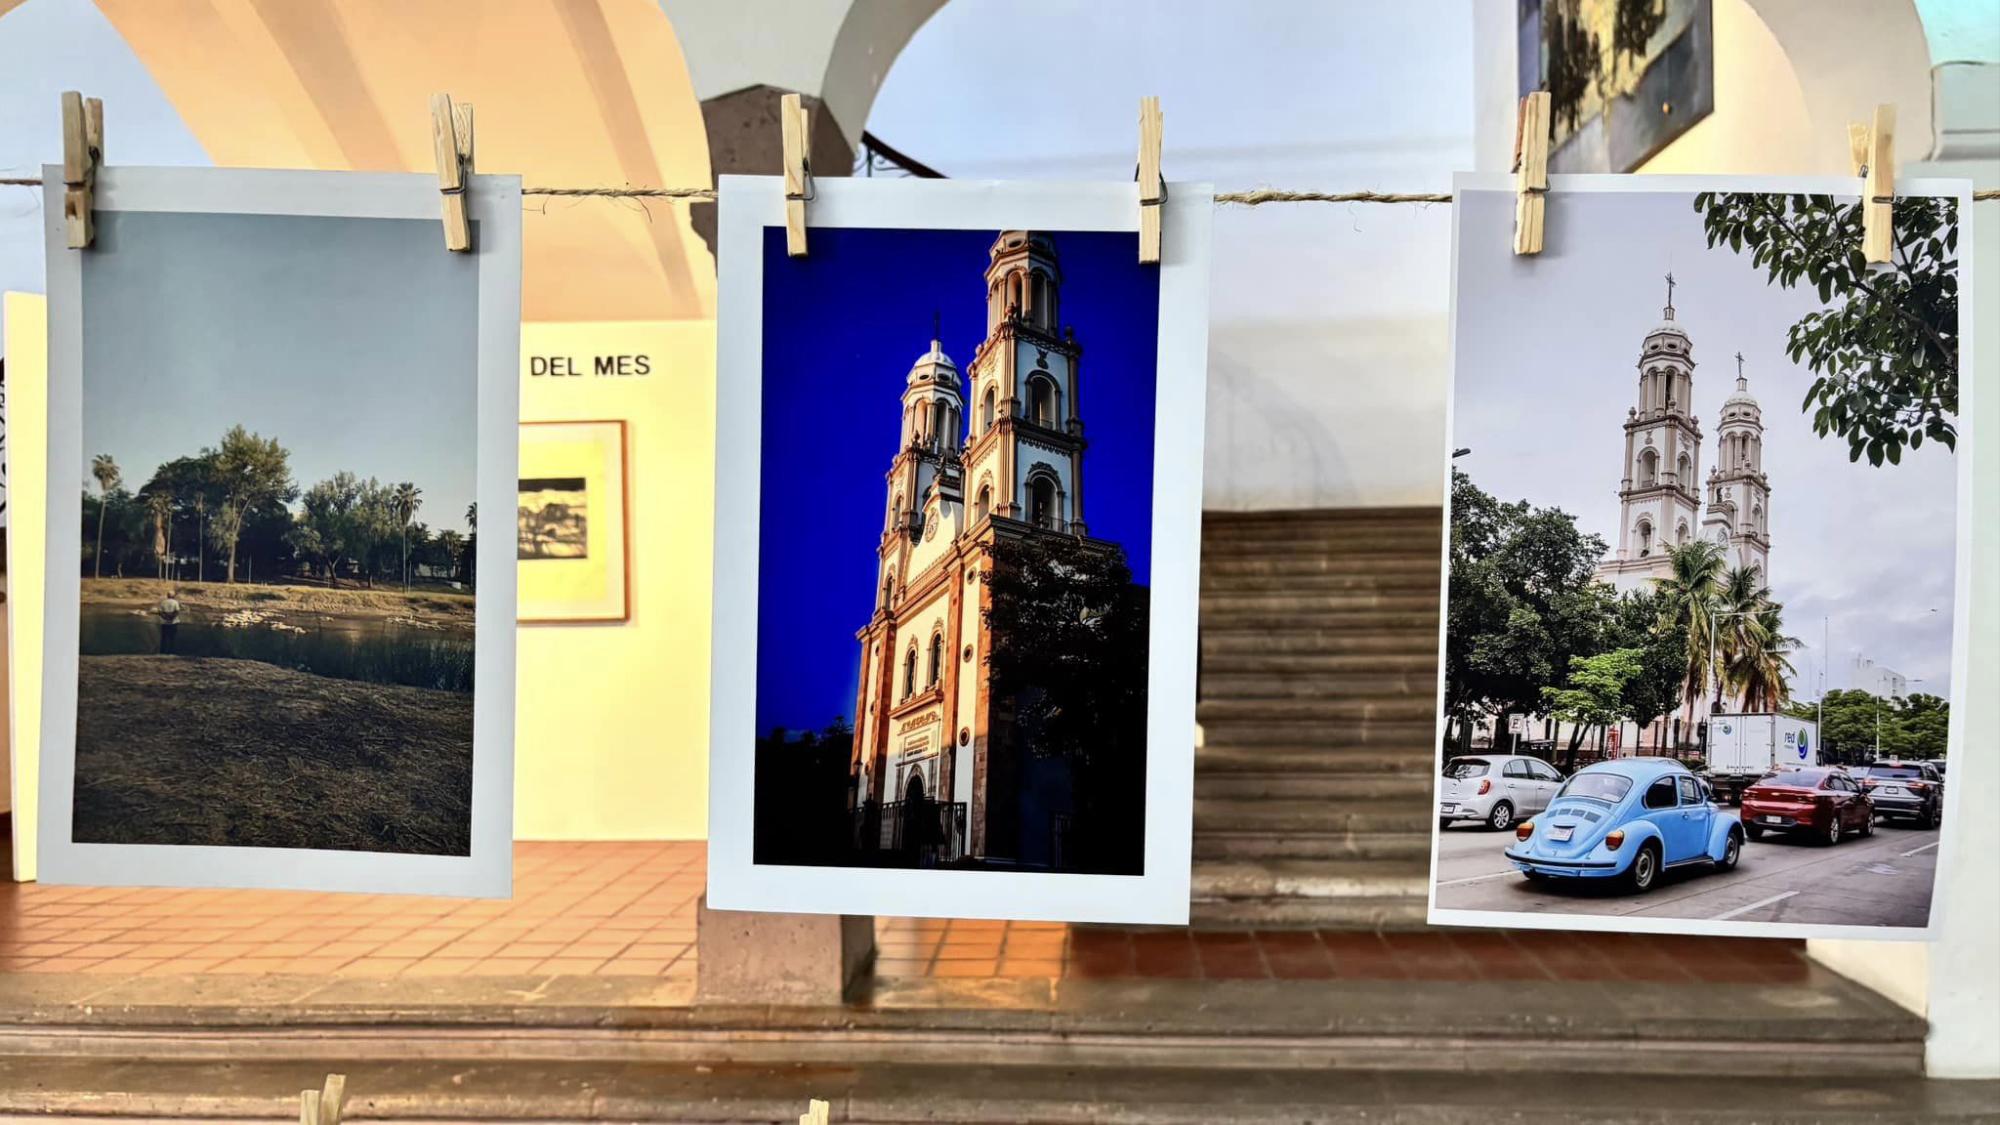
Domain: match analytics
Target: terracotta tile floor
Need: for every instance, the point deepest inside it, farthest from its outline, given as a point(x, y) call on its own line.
point(625, 909)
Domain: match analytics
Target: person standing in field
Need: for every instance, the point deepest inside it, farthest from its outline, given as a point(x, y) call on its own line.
point(169, 611)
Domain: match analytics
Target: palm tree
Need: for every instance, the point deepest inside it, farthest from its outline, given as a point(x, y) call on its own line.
point(106, 471)
point(1687, 599)
point(1761, 670)
point(406, 499)
point(1739, 598)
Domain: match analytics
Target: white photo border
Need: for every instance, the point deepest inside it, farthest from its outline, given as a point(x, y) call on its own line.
point(748, 205)
point(1952, 835)
point(495, 207)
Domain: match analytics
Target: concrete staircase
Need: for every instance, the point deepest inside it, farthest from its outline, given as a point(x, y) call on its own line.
point(1319, 635)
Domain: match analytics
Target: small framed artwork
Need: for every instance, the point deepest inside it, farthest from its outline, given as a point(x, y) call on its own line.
point(276, 652)
point(570, 524)
point(955, 585)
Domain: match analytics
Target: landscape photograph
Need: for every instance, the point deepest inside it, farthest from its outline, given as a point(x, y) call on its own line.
point(277, 539)
point(1698, 662)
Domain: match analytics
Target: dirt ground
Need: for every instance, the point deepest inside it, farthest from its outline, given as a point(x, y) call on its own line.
point(181, 750)
point(434, 607)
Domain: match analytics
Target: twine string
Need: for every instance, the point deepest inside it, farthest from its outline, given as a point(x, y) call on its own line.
point(1255, 198)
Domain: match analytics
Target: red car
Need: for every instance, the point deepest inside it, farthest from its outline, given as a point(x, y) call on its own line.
point(1824, 804)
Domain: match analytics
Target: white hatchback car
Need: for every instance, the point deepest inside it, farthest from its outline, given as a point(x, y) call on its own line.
point(1498, 789)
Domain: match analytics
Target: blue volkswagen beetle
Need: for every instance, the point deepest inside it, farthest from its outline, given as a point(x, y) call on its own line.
point(1628, 820)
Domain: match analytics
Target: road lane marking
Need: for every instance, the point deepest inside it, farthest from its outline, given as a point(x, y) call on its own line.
point(1727, 915)
point(1925, 848)
point(1476, 879)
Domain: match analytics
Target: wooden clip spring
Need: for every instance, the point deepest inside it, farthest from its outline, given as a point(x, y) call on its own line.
point(451, 146)
point(83, 155)
point(1152, 189)
point(1531, 172)
point(793, 124)
point(1878, 190)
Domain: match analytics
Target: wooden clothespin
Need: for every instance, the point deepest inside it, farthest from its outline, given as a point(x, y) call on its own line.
point(816, 1113)
point(323, 1106)
point(1531, 172)
point(1152, 190)
point(1878, 190)
point(83, 154)
point(793, 123)
point(451, 146)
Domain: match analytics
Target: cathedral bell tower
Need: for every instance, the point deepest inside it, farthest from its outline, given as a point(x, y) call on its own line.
point(1739, 494)
point(1024, 460)
point(1658, 492)
point(925, 477)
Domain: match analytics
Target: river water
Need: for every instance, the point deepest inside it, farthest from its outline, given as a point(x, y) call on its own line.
point(372, 650)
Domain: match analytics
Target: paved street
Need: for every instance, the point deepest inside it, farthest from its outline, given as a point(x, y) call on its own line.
point(1883, 880)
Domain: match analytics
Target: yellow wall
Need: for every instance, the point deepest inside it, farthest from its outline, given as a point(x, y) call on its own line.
point(611, 720)
point(611, 726)
point(27, 502)
point(1760, 125)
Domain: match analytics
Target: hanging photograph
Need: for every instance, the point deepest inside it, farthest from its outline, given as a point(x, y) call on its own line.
point(957, 536)
point(570, 522)
point(1625, 77)
point(278, 654)
point(1702, 650)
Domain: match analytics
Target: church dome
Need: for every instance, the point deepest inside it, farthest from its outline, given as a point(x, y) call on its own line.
point(934, 368)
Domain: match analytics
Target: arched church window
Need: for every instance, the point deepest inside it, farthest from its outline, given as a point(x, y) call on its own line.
point(888, 588)
point(1645, 539)
point(1681, 533)
point(986, 409)
point(910, 671)
point(1038, 293)
point(896, 511)
point(1042, 401)
point(1014, 291)
point(1757, 518)
point(1682, 470)
point(937, 659)
point(1649, 468)
point(938, 422)
point(1042, 502)
point(984, 504)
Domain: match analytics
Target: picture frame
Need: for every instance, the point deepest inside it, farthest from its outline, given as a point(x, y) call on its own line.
point(1772, 904)
point(583, 468)
point(485, 289)
point(751, 212)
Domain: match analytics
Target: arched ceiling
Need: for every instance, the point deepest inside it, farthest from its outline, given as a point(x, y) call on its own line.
point(565, 92)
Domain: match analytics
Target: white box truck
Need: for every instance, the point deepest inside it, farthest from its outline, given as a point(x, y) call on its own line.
point(1743, 748)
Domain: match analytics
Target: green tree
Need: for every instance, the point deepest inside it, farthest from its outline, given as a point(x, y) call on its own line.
point(1593, 696)
point(160, 508)
point(249, 470)
point(1923, 725)
point(1523, 600)
point(105, 470)
point(1068, 662)
point(320, 533)
point(405, 500)
point(1688, 595)
point(1885, 354)
point(1641, 622)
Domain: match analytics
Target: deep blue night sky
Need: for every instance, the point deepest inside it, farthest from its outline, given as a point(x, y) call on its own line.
point(842, 327)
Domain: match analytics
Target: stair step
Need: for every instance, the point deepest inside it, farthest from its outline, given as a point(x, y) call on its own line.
point(1295, 604)
point(1235, 844)
point(1411, 583)
point(1218, 684)
point(1411, 621)
point(1312, 759)
point(1414, 709)
point(1332, 544)
point(1407, 735)
point(1333, 666)
point(1389, 881)
point(1411, 789)
point(1306, 814)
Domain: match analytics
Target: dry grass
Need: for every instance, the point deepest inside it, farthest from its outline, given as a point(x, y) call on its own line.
point(179, 750)
point(381, 601)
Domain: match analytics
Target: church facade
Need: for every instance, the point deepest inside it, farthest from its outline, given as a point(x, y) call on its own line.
point(1664, 501)
point(1007, 462)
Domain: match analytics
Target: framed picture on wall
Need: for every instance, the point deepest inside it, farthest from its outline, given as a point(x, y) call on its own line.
point(570, 523)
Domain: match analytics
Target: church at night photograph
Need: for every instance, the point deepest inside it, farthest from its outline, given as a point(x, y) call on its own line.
point(954, 544)
point(1698, 661)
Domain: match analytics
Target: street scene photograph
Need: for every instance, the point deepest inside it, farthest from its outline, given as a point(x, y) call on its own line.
point(275, 630)
point(952, 594)
point(1697, 657)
